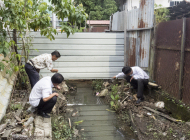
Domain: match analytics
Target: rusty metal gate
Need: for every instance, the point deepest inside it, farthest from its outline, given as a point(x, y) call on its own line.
point(172, 68)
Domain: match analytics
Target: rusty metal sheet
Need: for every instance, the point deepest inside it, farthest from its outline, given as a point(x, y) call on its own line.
point(146, 14)
point(169, 34)
point(187, 45)
point(139, 41)
point(168, 54)
point(167, 71)
point(186, 80)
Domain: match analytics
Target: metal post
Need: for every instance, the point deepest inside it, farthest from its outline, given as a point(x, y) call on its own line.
point(53, 20)
point(89, 23)
point(125, 38)
point(85, 26)
point(182, 59)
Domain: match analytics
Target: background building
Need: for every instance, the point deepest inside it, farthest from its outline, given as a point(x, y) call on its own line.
point(98, 25)
point(133, 4)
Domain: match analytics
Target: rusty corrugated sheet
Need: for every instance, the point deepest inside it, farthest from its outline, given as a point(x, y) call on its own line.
point(186, 80)
point(168, 54)
point(139, 41)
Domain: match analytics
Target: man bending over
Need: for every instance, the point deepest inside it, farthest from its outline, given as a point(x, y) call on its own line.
point(33, 66)
point(42, 97)
point(137, 78)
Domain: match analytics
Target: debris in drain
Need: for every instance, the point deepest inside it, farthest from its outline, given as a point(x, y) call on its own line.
point(159, 104)
point(103, 93)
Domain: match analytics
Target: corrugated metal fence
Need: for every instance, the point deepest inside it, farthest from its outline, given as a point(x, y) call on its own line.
point(83, 55)
point(172, 69)
point(139, 23)
point(117, 21)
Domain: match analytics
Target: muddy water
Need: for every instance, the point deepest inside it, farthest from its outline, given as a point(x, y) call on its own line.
point(98, 123)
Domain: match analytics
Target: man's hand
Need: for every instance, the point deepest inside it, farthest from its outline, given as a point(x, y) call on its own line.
point(114, 77)
point(56, 94)
point(131, 79)
point(54, 70)
point(51, 96)
point(58, 87)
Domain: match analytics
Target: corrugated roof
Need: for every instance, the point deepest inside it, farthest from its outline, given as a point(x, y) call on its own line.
point(98, 22)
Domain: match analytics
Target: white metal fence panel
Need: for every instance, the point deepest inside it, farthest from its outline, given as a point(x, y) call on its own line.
point(83, 55)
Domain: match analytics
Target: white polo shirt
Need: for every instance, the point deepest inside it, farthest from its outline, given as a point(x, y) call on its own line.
point(138, 73)
point(42, 89)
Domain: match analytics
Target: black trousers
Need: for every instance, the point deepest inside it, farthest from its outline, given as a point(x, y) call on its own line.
point(32, 74)
point(138, 84)
point(47, 107)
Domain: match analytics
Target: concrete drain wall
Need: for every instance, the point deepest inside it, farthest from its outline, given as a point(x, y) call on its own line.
point(6, 86)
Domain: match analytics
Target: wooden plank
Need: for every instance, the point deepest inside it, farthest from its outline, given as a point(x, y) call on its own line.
point(161, 114)
point(87, 64)
point(79, 53)
point(78, 41)
point(83, 35)
point(89, 59)
point(87, 70)
point(77, 47)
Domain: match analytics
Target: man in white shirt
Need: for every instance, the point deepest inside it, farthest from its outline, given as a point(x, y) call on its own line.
point(42, 96)
point(33, 66)
point(137, 78)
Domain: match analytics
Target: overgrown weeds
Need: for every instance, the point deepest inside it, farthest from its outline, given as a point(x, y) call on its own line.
point(61, 129)
point(115, 97)
point(97, 85)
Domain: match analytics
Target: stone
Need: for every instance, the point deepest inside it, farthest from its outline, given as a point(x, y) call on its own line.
point(188, 124)
point(125, 103)
point(47, 129)
point(106, 84)
point(164, 134)
point(159, 104)
point(103, 93)
point(76, 132)
point(183, 138)
point(39, 132)
point(54, 110)
point(64, 87)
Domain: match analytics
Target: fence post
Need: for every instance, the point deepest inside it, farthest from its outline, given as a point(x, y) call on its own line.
point(182, 58)
point(125, 38)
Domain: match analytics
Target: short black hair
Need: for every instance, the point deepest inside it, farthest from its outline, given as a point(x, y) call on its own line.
point(126, 70)
point(56, 53)
point(57, 78)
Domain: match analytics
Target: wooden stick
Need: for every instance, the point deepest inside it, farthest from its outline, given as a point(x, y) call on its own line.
point(161, 114)
point(124, 99)
point(69, 123)
point(135, 96)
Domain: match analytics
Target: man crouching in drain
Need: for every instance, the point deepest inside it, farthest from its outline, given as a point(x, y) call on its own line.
point(42, 97)
point(137, 78)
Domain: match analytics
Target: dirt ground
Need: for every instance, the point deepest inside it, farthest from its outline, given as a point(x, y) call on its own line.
point(146, 124)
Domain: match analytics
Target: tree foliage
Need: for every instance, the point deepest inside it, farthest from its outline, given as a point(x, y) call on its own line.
point(27, 15)
point(161, 14)
point(99, 9)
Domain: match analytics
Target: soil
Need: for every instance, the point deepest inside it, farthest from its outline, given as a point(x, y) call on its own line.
point(146, 127)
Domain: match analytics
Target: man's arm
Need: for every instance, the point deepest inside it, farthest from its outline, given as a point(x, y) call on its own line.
point(51, 96)
point(119, 75)
point(54, 70)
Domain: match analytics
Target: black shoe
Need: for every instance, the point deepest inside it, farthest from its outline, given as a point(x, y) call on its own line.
point(47, 116)
point(139, 100)
point(44, 115)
